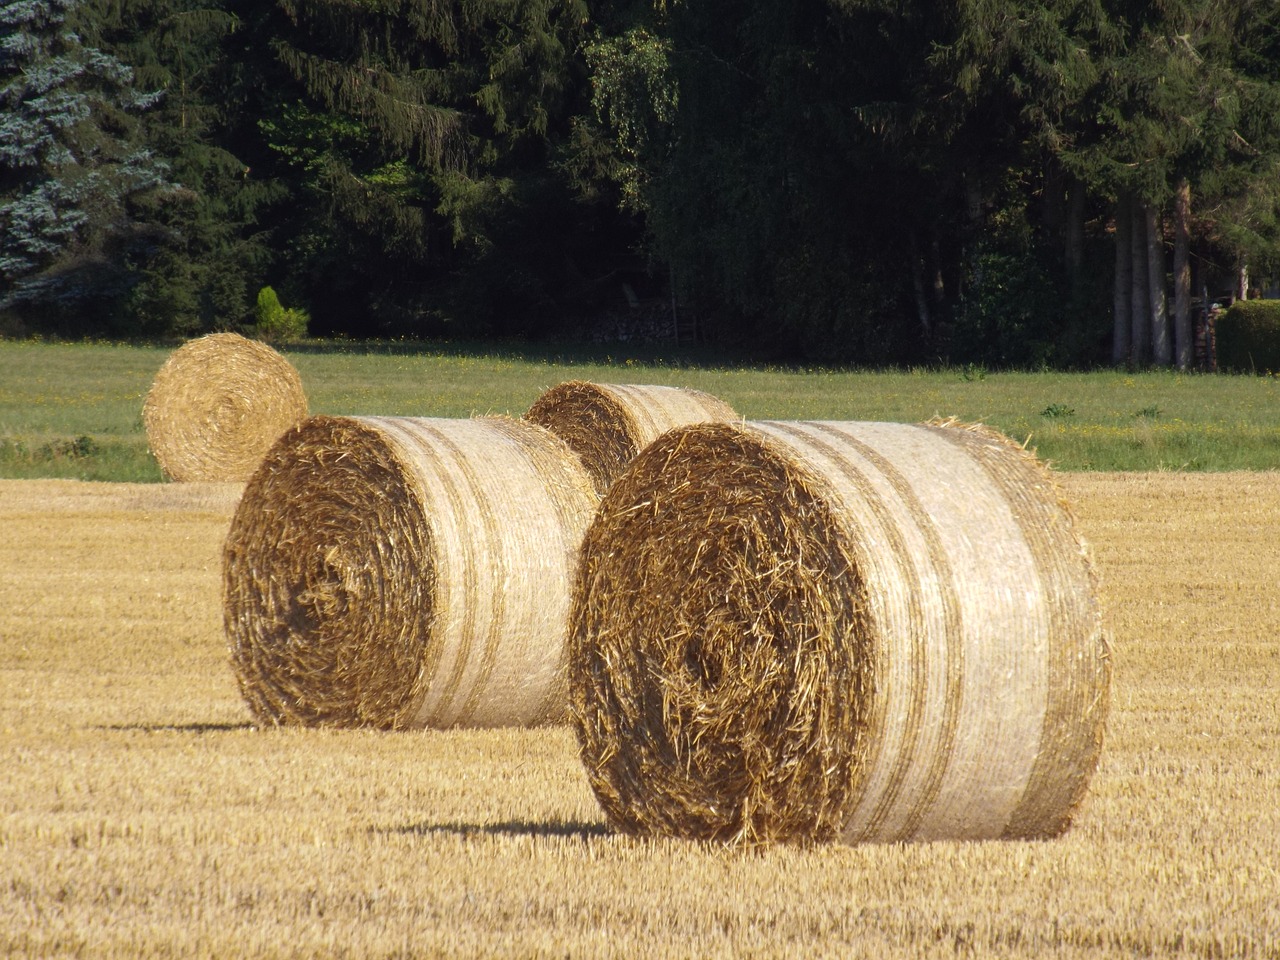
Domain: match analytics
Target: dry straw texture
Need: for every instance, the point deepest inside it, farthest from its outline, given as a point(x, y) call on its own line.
point(608, 424)
point(397, 572)
point(217, 405)
point(140, 817)
point(863, 631)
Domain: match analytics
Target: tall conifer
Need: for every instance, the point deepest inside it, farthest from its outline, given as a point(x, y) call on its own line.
point(70, 161)
point(430, 131)
point(215, 250)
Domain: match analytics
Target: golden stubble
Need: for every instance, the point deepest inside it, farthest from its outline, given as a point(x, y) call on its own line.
point(142, 815)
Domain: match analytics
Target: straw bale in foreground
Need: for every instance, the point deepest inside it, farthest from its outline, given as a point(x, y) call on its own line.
point(217, 405)
point(402, 572)
point(608, 424)
point(862, 631)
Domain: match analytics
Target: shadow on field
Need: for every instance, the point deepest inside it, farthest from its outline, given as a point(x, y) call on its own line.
point(576, 830)
point(567, 352)
point(179, 727)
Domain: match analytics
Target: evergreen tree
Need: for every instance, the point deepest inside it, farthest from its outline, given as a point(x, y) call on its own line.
point(216, 250)
point(854, 178)
point(427, 139)
point(1184, 114)
point(845, 178)
point(70, 164)
point(727, 125)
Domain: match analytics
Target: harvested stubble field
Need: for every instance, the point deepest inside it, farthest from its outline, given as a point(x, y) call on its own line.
point(142, 816)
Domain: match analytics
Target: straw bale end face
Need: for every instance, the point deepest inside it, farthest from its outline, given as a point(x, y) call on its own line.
point(406, 572)
point(717, 682)
point(608, 424)
point(217, 405)
point(807, 631)
point(328, 580)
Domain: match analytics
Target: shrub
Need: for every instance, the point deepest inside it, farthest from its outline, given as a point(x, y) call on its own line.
point(276, 321)
point(1010, 313)
point(1248, 336)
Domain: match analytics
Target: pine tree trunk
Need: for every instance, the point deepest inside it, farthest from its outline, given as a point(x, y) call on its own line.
point(973, 204)
point(1182, 333)
point(1054, 211)
point(1139, 292)
point(923, 313)
point(1122, 299)
point(1242, 281)
point(939, 283)
point(1074, 244)
point(1161, 348)
point(675, 310)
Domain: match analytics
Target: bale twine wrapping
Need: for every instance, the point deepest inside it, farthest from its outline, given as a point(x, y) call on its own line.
point(217, 405)
point(608, 424)
point(855, 631)
point(403, 572)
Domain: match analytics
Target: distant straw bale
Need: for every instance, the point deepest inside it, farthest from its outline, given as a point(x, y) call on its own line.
point(402, 572)
point(217, 404)
point(608, 424)
point(855, 631)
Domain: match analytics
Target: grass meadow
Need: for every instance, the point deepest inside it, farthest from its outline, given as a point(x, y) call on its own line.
point(142, 815)
point(75, 409)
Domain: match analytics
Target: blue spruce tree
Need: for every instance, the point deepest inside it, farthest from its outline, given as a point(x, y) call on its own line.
point(69, 163)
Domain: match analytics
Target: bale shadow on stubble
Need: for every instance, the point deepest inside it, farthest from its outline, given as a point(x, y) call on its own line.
point(571, 829)
point(197, 728)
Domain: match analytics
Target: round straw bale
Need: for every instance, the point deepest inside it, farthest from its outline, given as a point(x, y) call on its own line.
point(608, 424)
point(404, 572)
point(217, 404)
point(856, 631)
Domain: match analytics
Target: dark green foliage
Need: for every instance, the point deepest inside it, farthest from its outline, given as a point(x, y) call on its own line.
point(1187, 94)
point(1011, 315)
point(836, 180)
point(1018, 309)
point(824, 180)
point(72, 169)
point(731, 126)
point(1180, 90)
point(214, 250)
point(1248, 337)
point(425, 147)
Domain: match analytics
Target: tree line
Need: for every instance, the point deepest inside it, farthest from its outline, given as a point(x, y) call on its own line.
point(1002, 182)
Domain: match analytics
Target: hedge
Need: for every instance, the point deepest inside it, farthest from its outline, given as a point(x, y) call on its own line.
point(1247, 336)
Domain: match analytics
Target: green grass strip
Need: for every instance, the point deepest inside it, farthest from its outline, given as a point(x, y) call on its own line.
point(75, 409)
